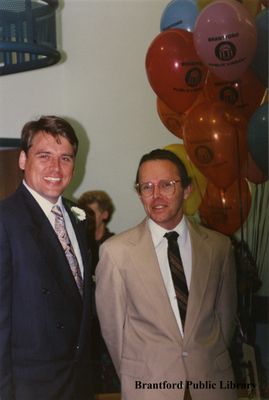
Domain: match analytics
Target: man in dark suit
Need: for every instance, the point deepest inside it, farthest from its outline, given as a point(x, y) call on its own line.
point(45, 281)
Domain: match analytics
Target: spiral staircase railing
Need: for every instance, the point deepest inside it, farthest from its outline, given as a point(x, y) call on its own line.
point(27, 35)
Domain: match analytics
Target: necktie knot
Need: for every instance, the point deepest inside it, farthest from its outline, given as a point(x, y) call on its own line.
point(56, 210)
point(171, 236)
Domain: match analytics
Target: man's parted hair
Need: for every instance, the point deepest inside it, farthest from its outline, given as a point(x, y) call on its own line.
point(52, 125)
point(162, 154)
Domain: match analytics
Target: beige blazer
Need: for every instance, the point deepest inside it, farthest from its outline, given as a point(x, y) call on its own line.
point(151, 357)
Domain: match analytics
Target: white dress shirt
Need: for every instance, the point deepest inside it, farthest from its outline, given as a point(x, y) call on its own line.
point(46, 206)
point(161, 244)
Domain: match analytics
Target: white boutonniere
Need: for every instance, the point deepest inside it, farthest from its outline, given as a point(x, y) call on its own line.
point(78, 213)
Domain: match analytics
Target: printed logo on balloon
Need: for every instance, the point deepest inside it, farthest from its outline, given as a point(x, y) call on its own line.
point(215, 137)
point(224, 51)
point(225, 38)
point(174, 70)
point(238, 93)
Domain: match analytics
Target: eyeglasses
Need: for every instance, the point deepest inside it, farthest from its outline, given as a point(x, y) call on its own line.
point(165, 187)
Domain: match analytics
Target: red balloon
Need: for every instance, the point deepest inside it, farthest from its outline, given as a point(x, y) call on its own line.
point(245, 93)
point(225, 210)
point(174, 71)
point(215, 137)
point(252, 172)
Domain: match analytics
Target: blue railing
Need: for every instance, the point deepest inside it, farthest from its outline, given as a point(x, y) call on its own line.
point(27, 35)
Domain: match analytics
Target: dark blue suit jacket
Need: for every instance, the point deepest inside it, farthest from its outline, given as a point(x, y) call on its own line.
point(44, 323)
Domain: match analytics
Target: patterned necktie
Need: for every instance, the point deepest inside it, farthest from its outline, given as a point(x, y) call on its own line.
point(178, 275)
point(62, 234)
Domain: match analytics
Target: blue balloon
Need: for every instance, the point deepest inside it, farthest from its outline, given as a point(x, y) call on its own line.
point(258, 137)
point(260, 59)
point(179, 14)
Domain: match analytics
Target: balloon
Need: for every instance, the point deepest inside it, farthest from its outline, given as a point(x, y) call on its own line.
point(215, 137)
point(225, 38)
point(203, 3)
point(174, 70)
point(253, 6)
point(260, 59)
point(264, 3)
point(179, 14)
point(252, 172)
point(172, 120)
point(257, 136)
point(199, 182)
point(225, 210)
point(239, 93)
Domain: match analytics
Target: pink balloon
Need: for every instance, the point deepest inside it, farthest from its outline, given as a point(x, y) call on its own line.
point(225, 38)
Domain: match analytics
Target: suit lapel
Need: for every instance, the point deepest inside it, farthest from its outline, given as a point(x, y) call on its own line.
point(50, 249)
point(81, 232)
point(142, 253)
point(201, 265)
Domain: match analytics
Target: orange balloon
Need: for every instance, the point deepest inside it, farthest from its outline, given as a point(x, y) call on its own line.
point(172, 120)
point(225, 210)
point(174, 70)
point(245, 94)
point(215, 137)
point(252, 172)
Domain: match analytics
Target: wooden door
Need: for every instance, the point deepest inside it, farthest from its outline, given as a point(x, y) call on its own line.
point(10, 174)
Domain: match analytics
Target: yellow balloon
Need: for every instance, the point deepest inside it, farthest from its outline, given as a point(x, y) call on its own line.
point(253, 6)
point(203, 3)
point(199, 182)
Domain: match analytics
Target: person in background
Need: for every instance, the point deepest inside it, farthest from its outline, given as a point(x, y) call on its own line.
point(166, 295)
point(45, 289)
point(92, 244)
point(100, 203)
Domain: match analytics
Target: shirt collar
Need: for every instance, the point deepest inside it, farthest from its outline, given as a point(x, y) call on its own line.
point(45, 204)
point(157, 232)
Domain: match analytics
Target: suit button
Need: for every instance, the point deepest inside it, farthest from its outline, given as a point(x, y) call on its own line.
point(45, 290)
point(60, 326)
point(77, 347)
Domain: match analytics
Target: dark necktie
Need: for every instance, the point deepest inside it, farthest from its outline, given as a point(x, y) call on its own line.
point(178, 275)
point(62, 234)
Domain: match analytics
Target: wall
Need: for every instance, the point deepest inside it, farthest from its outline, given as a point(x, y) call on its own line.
point(102, 89)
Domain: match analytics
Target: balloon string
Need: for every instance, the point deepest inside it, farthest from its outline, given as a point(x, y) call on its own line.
point(238, 83)
point(257, 229)
point(254, 224)
point(262, 237)
point(239, 186)
point(265, 97)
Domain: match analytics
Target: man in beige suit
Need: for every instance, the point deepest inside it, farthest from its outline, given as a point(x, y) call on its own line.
point(158, 354)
